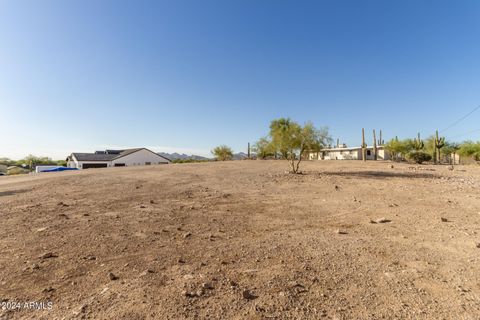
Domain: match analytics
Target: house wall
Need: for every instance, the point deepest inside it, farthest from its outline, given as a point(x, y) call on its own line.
point(79, 164)
point(350, 154)
point(140, 158)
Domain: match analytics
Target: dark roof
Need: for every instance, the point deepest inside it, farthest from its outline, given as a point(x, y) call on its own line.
point(109, 155)
point(94, 156)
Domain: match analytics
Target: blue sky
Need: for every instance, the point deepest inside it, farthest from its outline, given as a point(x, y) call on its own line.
point(189, 75)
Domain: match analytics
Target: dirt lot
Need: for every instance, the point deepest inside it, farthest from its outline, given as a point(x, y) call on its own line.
point(243, 240)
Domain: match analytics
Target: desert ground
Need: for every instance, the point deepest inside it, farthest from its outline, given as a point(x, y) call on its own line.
point(243, 240)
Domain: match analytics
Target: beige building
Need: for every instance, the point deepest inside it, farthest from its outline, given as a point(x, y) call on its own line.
point(346, 153)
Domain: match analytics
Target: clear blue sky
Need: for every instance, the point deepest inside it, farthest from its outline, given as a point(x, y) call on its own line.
point(189, 75)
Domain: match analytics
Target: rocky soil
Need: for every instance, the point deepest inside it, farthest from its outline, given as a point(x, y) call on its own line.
point(243, 240)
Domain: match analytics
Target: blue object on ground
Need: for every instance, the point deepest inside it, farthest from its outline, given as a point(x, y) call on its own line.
point(56, 169)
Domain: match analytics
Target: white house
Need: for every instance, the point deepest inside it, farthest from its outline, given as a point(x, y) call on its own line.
point(115, 158)
point(345, 153)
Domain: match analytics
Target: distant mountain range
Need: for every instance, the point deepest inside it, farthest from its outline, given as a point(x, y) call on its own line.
point(240, 156)
point(183, 156)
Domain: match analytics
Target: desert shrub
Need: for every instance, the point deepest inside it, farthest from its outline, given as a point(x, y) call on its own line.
point(419, 156)
point(398, 149)
point(223, 153)
point(470, 149)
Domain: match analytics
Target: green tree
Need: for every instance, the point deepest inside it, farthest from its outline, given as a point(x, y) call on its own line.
point(223, 153)
point(470, 149)
point(263, 148)
point(293, 140)
point(398, 149)
point(279, 134)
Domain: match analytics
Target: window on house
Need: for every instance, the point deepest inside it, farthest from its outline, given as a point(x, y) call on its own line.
point(369, 152)
point(148, 163)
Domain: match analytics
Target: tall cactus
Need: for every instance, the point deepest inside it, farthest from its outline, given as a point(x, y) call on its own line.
point(418, 143)
point(439, 144)
point(375, 151)
point(364, 146)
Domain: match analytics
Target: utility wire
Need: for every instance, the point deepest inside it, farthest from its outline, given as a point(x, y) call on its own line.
point(464, 134)
point(461, 119)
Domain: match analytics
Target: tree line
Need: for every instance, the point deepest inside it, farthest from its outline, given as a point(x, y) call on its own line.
point(291, 141)
point(433, 148)
point(31, 161)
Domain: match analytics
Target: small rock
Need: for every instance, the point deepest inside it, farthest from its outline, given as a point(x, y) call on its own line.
point(444, 219)
point(142, 207)
point(338, 231)
point(207, 286)
point(144, 273)
point(337, 188)
point(152, 201)
point(62, 204)
point(380, 220)
point(80, 310)
point(189, 294)
point(49, 289)
point(112, 276)
point(48, 255)
point(63, 215)
point(186, 235)
point(248, 295)
point(181, 261)
point(478, 245)
point(41, 229)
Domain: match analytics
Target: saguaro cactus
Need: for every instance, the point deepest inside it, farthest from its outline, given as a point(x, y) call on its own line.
point(248, 152)
point(364, 146)
point(439, 144)
point(418, 143)
point(375, 151)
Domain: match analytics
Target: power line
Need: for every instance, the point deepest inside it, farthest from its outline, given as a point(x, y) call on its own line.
point(461, 119)
point(464, 134)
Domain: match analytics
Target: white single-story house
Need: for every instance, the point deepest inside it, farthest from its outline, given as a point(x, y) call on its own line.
point(345, 153)
point(115, 158)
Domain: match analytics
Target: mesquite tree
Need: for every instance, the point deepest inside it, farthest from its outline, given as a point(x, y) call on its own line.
point(293, 140)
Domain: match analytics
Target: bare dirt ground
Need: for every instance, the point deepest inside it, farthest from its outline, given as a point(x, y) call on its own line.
point(243, 240)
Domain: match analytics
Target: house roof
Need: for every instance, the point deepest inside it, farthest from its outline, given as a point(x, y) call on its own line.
point(350, 148)
point(109, 155)
point(94, 156)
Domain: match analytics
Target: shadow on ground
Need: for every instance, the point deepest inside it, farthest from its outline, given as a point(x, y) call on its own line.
point(12, 192)
point(382, 174)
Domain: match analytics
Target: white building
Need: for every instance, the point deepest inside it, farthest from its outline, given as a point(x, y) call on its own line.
point(115, 158)
point(345, 153)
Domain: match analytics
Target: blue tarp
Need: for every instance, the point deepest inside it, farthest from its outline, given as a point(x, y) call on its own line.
point(59, 169)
